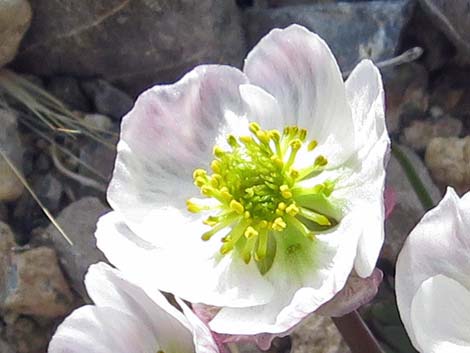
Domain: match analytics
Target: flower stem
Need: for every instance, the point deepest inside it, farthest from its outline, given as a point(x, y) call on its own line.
point(356, 333)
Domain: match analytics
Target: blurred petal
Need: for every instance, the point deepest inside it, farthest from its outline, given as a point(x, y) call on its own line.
point(107, 288)
point(100, 330)
point(440, 316)
point(438, 245)
point(171, 131)
point(203, 340)
point(298, 69)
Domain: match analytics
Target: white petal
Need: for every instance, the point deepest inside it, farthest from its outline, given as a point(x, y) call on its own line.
point(299, 70)
point(262, 107)
point(365, 94)
point(108, 288)
point(440, 316)
point(366, 185)
point(178, 261)
point(102, 330)
point(438, 245)
point(302, 284)
point(203, 340)
point(171, 131)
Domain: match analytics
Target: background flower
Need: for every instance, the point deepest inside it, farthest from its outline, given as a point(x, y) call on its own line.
point(433, 278)
point(125, 319)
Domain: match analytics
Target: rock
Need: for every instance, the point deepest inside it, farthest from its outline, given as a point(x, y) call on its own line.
point(7, 242)
point(408, 208)
point(78, 220)
point(131, 43)
point(49, 190)
point(107, 99)
point(99, 157)
point(68, 90)
point(5, 347)
point(35, 285)
point(453, 18)
point(10, 186)
point(420, 31)
point(406, 93)
point(279, 3)
point(98, 121)
point(318, 334)
point(353, 31)
point(3, 213)
point(278, 345)
point(420, 132)
point(448, 159)
point(15, 16)
point(27, 336)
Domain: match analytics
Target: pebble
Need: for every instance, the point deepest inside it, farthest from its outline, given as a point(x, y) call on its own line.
point(11, 187)
point(448, 159)
point(15, 17)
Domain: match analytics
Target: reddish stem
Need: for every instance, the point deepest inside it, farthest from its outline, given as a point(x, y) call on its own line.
point(356, 334)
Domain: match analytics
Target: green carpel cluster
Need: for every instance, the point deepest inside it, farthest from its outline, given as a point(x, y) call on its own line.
point(256, 192)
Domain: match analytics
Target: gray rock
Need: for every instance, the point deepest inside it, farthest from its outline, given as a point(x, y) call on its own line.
point(5, 347)
point(35, 285)
point(15, 16)
point(406, 92)
point(10, 186)
point(453, 18)
point(49, 190)
point(448, 160)
point(98, 121)
point(131, 43)
point(100, 158)
point(353, 31)
point(408, 208)
point(318, 334)
point(68, 90)
point(107, 99)
point(279, 3)
point(78, 220)
point(3, 212)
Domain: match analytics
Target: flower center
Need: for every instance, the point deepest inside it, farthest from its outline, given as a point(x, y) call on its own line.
point(255, 192)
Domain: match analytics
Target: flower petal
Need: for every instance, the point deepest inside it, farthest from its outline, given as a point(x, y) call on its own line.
point(171, 131)
point(438, 245)
point(299, 70)
point(203, 340)
point(108, 288)
point(439, 316)
point(181, 263)
point(262, 107)
point(302, 283)
point(365, 95)
point(101, 330)
point(357, 292)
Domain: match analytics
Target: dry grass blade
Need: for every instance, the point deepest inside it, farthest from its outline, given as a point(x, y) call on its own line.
point(48, 109)
point(35, 197)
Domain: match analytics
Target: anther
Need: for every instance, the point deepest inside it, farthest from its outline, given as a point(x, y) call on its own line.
point(285, 191)
point(237, 206)
point(279, 224)
point(311, 146)
point(321, 161)
point(292, 209)
point(218, 151)
point(250, 232)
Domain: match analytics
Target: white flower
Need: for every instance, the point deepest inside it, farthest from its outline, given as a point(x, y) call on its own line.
point(433, 278)
point(289, 161)
point(125, 319)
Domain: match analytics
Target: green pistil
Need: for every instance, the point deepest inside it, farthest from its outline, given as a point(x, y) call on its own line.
point(258, 195)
